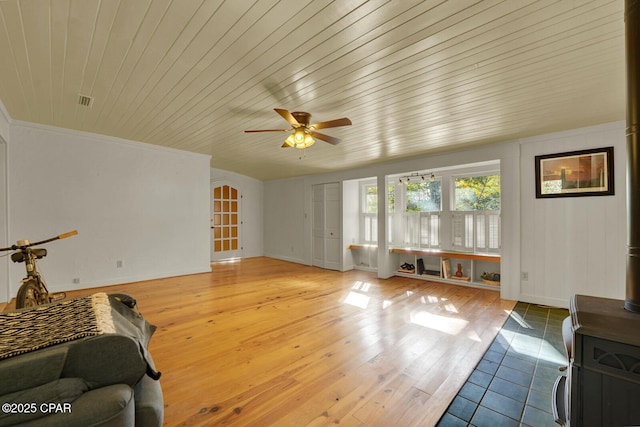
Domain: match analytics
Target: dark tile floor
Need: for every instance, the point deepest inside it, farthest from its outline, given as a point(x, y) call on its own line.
point(512, 384)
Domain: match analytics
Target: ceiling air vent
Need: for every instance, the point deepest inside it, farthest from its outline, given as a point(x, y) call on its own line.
point(85, 101)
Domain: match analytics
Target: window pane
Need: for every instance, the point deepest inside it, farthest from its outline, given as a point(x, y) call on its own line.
point(477, 193)
point(371, 199)
point(391, 196)
point(423, 196)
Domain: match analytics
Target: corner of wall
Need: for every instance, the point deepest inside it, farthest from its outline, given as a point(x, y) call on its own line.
point(4, 204)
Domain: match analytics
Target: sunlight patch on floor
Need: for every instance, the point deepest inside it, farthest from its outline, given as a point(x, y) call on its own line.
point(357, 299)
point(533, 347)
point(448, 325)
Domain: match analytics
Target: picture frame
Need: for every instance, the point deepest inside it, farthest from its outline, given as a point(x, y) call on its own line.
point(575, 173)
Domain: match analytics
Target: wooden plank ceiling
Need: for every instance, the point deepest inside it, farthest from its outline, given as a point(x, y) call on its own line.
point(415, 77)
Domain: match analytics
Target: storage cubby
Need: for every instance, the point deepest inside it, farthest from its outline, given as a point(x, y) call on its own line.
point(490, 268)
point(431, 266)
point(466, 269)
point(365, 257)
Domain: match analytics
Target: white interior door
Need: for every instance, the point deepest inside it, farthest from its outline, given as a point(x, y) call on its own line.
point(318, 225)
point(225, 221)
point(326, 226)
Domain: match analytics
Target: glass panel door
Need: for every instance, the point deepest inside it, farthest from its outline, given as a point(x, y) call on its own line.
point(225, 221)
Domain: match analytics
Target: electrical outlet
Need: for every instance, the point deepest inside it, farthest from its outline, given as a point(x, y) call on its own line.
point(119, 264)
point(524, 275)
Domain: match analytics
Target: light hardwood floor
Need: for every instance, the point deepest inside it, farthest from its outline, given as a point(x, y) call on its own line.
point(270, 343)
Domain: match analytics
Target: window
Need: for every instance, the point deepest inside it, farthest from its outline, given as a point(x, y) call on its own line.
point(423, 204)
point(457, 210)
point(370, 199)
point(369, 211)
point(369, 215)
point(476, 217)
point(477, 193)
point(424, 196)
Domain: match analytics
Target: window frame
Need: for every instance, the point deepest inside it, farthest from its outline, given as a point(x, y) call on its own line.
point(368, 223)
point(412, 221)
point(471, 237)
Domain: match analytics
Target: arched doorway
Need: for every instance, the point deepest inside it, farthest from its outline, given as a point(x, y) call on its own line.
point(225, 221)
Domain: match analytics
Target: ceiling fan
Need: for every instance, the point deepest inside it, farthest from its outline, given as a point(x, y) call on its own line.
point(302, 133)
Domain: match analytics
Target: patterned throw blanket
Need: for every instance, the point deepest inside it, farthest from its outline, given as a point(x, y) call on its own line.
point(51, 324)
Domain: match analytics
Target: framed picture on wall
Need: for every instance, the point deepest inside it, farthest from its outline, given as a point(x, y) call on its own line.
point(575, 173)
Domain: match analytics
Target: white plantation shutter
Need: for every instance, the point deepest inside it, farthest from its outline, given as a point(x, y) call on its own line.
point(412, 228)
point(494, 226)
point(424, 231)
point(477, 231)
point(370, 228)
point(458, 231)
point(481, 232)
point(429, 229)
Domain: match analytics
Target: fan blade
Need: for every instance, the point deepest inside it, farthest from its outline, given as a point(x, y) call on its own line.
point(332, 123)
point(288, 117)
point(268, 130)
point(327, 138)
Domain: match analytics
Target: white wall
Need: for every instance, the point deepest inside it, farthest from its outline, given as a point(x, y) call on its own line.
point(4, 241)
point(251, 209)
point(145, 205)
point(286, 219)
point(573, 245)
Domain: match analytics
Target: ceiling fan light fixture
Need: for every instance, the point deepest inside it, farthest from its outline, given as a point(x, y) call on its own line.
point(308, 141)
point(293, 140)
